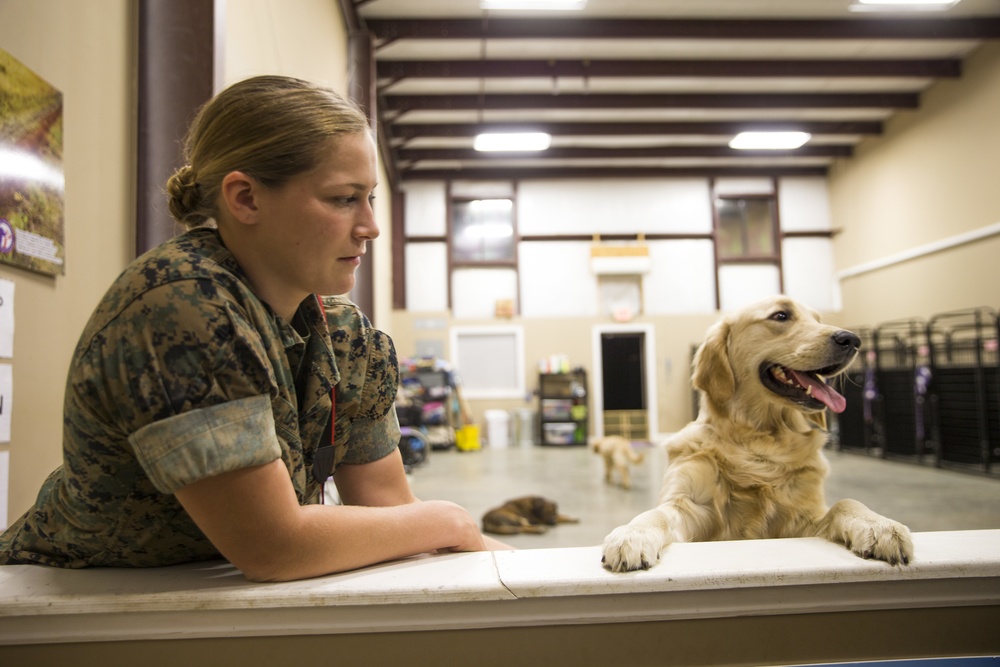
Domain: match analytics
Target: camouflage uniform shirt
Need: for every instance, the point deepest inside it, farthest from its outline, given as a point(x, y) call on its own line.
point(183, 373)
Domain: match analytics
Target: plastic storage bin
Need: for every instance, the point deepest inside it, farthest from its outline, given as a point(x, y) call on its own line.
point(560, 434)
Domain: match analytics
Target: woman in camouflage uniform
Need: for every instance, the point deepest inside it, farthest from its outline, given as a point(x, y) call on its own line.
point(197, 419)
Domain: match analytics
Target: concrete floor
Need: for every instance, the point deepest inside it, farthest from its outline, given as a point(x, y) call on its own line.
point(924, 498)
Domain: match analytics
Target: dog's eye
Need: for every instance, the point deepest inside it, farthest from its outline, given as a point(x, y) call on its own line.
point(780, 316)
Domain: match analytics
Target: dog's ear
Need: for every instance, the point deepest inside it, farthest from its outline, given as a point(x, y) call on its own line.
point(712, 372)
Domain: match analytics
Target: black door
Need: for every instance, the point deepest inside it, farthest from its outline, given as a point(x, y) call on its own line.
point(622, 357)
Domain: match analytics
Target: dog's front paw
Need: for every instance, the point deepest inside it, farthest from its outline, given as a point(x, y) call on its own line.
point(872, 535)
point(629, 548)
point(882, 539)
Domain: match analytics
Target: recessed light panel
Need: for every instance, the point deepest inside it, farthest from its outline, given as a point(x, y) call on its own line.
point(902, 5)
point(512, 141)
point(769, 140)
point(533, 4)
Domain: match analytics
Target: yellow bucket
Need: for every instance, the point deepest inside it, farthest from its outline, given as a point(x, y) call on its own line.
point(467, 438)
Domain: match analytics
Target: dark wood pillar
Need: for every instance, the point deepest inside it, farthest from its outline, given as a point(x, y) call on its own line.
point(176, 75)
point(361, 89)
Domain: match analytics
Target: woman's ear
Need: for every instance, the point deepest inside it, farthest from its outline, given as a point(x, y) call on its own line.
point(239, 197)
point(713, 374)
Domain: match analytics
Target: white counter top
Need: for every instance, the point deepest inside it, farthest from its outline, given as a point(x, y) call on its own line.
point(500, 589)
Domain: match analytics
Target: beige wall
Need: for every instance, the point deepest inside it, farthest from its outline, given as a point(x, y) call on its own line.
point(84, 49)
point(933, 175)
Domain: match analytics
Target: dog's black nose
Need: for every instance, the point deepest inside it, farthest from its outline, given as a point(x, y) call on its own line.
point(847, 339)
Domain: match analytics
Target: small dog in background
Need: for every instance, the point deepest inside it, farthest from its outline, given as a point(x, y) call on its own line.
point(528, 514)
point(617, 453)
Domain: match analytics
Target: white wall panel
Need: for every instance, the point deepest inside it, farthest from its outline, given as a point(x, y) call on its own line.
point(426, 277)
point(482, 189)
point(556, 280)
point(425, 210)
point(803, 205)
point(650, 206)
point(682, 279)
point(744, 186)
point(474, 292)
point(743, 284)
point(808, 270)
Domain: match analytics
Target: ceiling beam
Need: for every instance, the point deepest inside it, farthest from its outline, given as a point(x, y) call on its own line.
point(422, 69)
point(548, 28)
point(407, 131)
point(402, 103)
point(575, 153)
point(526, 173)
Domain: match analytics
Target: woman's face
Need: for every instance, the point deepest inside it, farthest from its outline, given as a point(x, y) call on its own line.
point(312, 231)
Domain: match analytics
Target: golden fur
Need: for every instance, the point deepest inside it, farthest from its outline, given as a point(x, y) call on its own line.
point(528, 514)
point(751, 465)
point(617, 453)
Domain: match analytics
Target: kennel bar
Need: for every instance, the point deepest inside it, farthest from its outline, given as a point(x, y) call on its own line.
point(695, 394)
point(901, 418)
point(855, 425)
point(964, 390)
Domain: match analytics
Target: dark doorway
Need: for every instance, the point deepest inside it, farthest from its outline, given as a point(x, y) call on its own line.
point(624, 384)
point(624, 376)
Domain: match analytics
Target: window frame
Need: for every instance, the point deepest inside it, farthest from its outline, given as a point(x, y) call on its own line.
point(513, 264)
point(774, 259)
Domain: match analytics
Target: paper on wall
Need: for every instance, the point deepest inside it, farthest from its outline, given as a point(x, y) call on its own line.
point(6, 319)
point(6, 400)
point(4, 487)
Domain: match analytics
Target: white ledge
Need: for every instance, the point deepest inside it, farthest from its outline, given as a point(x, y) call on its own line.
point(526, 588)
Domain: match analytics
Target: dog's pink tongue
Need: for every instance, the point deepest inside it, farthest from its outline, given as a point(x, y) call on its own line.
point(822, 391)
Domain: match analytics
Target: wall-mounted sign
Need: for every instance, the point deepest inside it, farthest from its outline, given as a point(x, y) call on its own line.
point(31, 171)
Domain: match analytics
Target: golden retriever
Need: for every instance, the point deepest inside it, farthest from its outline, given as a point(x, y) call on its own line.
point(528, 514)
point(751, 465)
point(617, 453)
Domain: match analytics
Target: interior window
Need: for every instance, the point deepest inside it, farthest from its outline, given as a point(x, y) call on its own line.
point(746, 228)
point(482, 231)
point(747, 248)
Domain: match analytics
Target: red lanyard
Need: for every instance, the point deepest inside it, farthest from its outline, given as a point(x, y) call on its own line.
point(322, 466)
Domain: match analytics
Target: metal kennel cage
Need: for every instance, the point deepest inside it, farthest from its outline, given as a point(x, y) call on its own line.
point(855, 425)
point(900, 412)
point(964, 389)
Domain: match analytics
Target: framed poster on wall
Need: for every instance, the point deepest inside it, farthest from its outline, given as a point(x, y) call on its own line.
point(31, 170)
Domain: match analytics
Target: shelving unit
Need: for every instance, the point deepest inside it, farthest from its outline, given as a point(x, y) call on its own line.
point(428, 399)
point(563, 410)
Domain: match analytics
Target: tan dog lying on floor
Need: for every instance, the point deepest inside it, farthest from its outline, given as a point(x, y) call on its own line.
point(752, 466)
point(617, 453)
point(528, 514)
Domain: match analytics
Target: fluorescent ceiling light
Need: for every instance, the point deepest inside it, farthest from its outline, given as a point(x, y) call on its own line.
point(902, 5)
point(907, 2)
point(769, 140)
point(532, 4)
point(512, 141)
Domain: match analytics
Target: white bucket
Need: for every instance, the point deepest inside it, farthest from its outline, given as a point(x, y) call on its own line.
point(497, 428)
